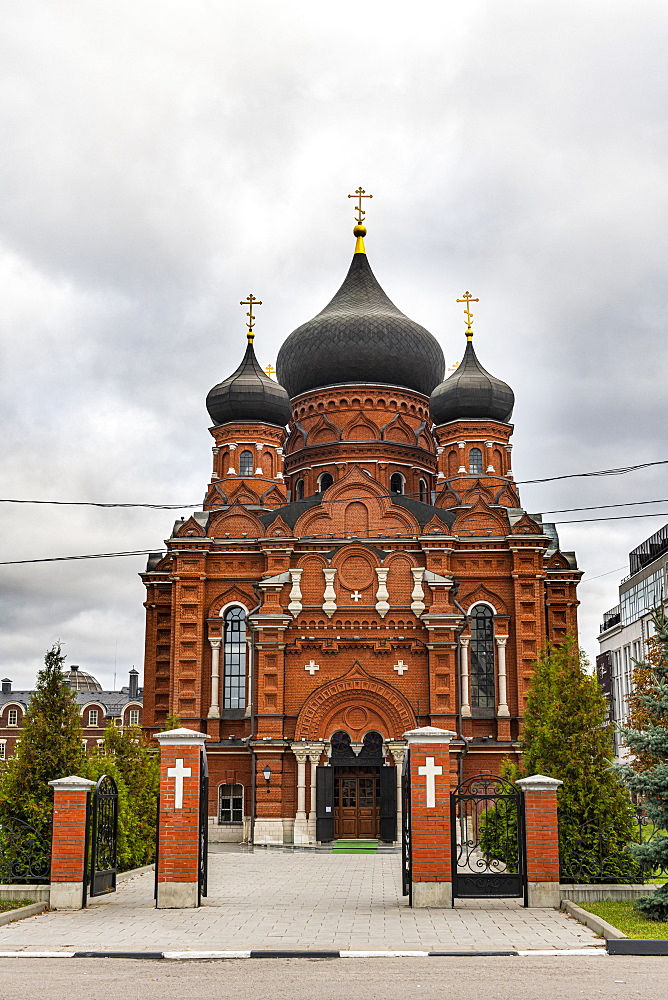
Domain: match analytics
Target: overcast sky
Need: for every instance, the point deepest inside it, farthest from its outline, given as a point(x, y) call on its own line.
point(161, 159)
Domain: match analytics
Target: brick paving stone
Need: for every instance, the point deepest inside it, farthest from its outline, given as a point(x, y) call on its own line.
point(292, 899)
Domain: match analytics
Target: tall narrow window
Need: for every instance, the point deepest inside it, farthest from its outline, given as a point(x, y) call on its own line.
point(396, 483)
point(423, 491)
point(246, 463)
point(299, 489)
point(235, 658)
point(475, 460)
point(230, 804)
point(482, 657)
point(326, 481)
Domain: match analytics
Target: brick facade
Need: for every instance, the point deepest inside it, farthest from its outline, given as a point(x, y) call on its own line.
point(358, 598)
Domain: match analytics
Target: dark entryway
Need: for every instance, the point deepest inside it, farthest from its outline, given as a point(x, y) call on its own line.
point(356, 802)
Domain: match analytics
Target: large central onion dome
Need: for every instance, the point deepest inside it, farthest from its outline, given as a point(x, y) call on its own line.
point(360, 336)
point(471, 392)
point(249, 394)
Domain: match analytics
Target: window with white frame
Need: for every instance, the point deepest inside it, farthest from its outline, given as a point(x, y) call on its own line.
point(231, 803)
point(234, 658)
point(92, 717)
point(13, 717)
point(475, 460)
point(3, 749)
point(482, 656)
point(246, 463)
point(85, 743)
point(396, 483)
point(133, 717)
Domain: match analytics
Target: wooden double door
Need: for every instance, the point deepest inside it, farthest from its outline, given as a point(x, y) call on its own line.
point(357, 803)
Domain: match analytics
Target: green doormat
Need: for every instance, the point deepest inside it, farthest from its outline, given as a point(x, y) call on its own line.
point(355, 847)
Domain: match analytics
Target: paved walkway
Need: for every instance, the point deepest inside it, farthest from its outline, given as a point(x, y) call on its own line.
point(274, 899)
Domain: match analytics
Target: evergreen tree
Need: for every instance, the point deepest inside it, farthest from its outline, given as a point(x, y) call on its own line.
point(50, 747)
point(564, 737)
point(650, 780)
point(642, 712)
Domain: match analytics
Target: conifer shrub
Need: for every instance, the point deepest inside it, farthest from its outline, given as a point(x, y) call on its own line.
point(647, 775)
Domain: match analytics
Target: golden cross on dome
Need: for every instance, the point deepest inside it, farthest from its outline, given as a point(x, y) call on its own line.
point(270, 370)
point(359, 194)
point(468, 299)
point(250, 302)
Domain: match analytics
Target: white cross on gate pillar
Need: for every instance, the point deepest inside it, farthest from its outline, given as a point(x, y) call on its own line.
point(430, 770)
point(178, 772)
point(312, 667)
point(356, 596)
point(400, 668)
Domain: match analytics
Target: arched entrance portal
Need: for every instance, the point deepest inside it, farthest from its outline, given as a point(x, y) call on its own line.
point(362, 719)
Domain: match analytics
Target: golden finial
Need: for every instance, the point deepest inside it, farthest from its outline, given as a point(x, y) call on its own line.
point(250, 302)
point(468, 299)
point(270, 370)
point(360, 229)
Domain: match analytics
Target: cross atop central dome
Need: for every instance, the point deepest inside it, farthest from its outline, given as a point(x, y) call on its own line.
point(360, 337)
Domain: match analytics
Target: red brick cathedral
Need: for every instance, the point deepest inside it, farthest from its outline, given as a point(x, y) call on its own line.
point(362, 565)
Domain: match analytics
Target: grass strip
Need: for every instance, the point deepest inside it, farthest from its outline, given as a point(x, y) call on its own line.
point(622, 915)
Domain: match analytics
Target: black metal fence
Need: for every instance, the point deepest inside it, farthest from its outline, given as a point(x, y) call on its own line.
point(25, 855)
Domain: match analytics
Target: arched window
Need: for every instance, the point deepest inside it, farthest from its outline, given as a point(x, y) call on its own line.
point(299, 490)
point(230, 804)
point(423, 491)
point(396, 483)
point(325, 481)
point(234, 662)
point(341, 741)
point(482, 656)
point(373, 742)
point(246, 463)
point(475, 460)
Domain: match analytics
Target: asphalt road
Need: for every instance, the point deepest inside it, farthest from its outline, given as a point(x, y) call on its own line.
point(334, 979)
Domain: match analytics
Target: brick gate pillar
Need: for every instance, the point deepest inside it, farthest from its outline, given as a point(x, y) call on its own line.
point(431, 783)
point(68, 842)
point(542, 839)
point(178, 841)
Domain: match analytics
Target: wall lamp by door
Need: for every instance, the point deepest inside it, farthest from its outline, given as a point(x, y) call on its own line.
point(266, 771)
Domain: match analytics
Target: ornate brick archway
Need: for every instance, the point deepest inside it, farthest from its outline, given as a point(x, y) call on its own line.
point(356, 702)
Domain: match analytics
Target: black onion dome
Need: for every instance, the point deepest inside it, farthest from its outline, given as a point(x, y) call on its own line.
point(471, 392)
point(360, 336)
point(249, 394)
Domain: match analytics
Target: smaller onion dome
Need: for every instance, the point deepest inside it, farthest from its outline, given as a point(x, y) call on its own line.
point(79, 680)
point(249, 394)
point(471, 392)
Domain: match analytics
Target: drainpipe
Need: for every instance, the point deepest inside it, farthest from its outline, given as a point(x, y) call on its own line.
point(251, 696)
point(460, 763)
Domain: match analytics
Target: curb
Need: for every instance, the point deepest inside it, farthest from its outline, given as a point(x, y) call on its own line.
point(597, 924)
point(21, 912)
point(208, 956)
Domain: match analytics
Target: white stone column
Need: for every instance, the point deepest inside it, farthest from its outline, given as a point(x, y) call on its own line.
point(279, 470)
point(214, 711)
point(231, 470)
point(398, 750)
point(295, 605)
point(329, 603)
point(464, 670)
point(417, 597)
point(461, 445)
point(315, 752)
point(301, 827)
point(258, 470)
point(382, 594)
point(488, 455)
point(502, 709)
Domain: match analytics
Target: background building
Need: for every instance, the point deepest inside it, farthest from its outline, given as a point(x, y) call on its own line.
point(368, 571)
point(98, 708)
point(627, 627)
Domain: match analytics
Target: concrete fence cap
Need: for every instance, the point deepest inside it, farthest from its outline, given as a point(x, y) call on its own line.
point(428, 734)
point(180, 737)
point(73, 783)
point(539, 783)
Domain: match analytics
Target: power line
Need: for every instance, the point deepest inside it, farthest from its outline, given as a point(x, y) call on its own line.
point(328, 538)
point(186, 506)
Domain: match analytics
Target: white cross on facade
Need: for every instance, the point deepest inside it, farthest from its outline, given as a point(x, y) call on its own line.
point(400, 668)
point(431, 771)
point(178, 772)
point(356, 596)
point(312, 667)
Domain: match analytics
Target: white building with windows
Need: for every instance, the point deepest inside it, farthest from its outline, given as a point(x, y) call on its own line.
point(627, 627)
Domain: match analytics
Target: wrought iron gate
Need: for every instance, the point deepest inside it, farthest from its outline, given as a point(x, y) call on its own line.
point(488, 842)
point(104, 837)
point(406, 864)
point(203, 828)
